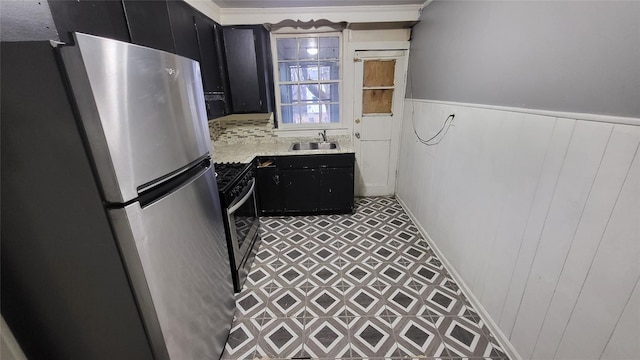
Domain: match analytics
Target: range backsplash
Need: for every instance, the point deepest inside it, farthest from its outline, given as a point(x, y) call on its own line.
point(230, 130)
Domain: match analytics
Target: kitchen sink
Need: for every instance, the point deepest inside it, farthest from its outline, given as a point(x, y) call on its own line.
point(324, 145)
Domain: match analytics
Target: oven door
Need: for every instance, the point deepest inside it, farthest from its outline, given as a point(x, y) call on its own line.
point(243, 222)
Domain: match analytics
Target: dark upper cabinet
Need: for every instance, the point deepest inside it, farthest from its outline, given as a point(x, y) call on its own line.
point(212, 66)
point(101, 18)
point(149, 24)
point(183, 27)
point(173, 26)
point(248, 55)
point(265, 69)
point(242, 64)
point(209, 61)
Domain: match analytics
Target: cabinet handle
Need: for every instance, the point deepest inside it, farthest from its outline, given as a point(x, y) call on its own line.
point(357, 135)
point(276, 179)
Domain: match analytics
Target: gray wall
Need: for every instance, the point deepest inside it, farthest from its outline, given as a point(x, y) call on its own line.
point(552, 55)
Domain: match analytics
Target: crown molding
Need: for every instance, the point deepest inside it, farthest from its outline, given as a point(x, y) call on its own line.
point(350, 14)
point(207, 7)
point(424, 5)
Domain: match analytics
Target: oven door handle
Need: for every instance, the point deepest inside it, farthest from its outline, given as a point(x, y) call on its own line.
point(246, 197)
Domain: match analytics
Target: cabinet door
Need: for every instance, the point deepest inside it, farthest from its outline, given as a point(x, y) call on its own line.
point(183, 28)
point(240, 49)
point(265, 69)
point(149, 24)
point(270, 191)
point(336, 189)
point(301, 189)
point(209, 63)
point(218, 33)
point(101, 18)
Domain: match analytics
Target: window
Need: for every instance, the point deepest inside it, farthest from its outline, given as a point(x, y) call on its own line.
point(308, 79)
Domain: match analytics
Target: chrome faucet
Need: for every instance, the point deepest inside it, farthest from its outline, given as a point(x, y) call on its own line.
point(324, 135)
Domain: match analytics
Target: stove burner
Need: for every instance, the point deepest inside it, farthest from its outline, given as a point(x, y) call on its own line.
point(226, 173)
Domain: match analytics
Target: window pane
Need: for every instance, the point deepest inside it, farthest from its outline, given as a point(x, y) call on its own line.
point(309, 93)
point(293, 114)
point(286, 49)
point(329, 70)
point(289, 94)
point(308, 70)
point(288, 71)
point(330, 113)
point(329, 93)
point(286, 116)
point(307, 48)
point(377, 101)
point(329, 48)
point(312, 114)
point(299, 114)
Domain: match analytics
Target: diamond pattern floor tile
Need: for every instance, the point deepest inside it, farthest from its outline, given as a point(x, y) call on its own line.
point(357, 286)
point(242, 340)
point(326, 338)
point(371, 337)
point(418, 337)
point(364, 301)
point(325, 302)
point(281, 338)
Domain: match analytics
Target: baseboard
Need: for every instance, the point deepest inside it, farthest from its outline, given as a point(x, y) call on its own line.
point(495, 330)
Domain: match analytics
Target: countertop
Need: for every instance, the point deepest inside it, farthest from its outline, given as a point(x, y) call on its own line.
point(240, 140)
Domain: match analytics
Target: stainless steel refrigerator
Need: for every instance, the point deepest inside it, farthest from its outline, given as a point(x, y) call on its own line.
point(113, 245)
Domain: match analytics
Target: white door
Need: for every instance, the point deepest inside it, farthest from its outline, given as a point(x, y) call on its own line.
point(379, 87)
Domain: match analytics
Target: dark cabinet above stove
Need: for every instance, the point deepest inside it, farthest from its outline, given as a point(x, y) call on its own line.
point(149, 24)
point(305, 184)
point(250, 71)
point(100, 18)
point(170, 25)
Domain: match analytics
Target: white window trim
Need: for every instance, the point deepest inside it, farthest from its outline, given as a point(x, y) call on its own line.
point(283, 129)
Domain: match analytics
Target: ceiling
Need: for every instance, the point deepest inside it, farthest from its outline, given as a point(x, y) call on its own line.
point(308, 3)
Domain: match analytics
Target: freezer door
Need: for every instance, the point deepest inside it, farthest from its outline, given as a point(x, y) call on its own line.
point(176, 255)
point(142, 111)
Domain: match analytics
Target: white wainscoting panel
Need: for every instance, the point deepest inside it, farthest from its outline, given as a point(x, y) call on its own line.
point(539, 216)
point(624, 342)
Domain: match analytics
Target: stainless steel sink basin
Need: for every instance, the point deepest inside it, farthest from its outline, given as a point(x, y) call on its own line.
point(325, 145)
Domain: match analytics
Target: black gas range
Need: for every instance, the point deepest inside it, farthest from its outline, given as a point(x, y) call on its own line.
point(236, 187)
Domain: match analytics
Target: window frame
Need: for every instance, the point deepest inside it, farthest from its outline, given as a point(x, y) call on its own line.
point(276, 80)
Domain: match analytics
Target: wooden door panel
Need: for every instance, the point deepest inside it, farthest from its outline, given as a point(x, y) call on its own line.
point(379, 73)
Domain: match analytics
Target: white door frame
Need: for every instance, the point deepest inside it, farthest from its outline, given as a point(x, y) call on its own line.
point(402, 59)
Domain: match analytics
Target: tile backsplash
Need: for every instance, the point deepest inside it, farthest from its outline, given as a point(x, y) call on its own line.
point(230, 129)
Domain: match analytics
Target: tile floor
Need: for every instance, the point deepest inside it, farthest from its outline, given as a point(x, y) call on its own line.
point(360, 286)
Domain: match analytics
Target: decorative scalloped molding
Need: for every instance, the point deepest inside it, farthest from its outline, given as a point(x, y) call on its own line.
point(352, 14)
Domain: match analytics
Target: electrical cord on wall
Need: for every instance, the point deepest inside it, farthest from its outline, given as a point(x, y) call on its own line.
point(445, 126)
